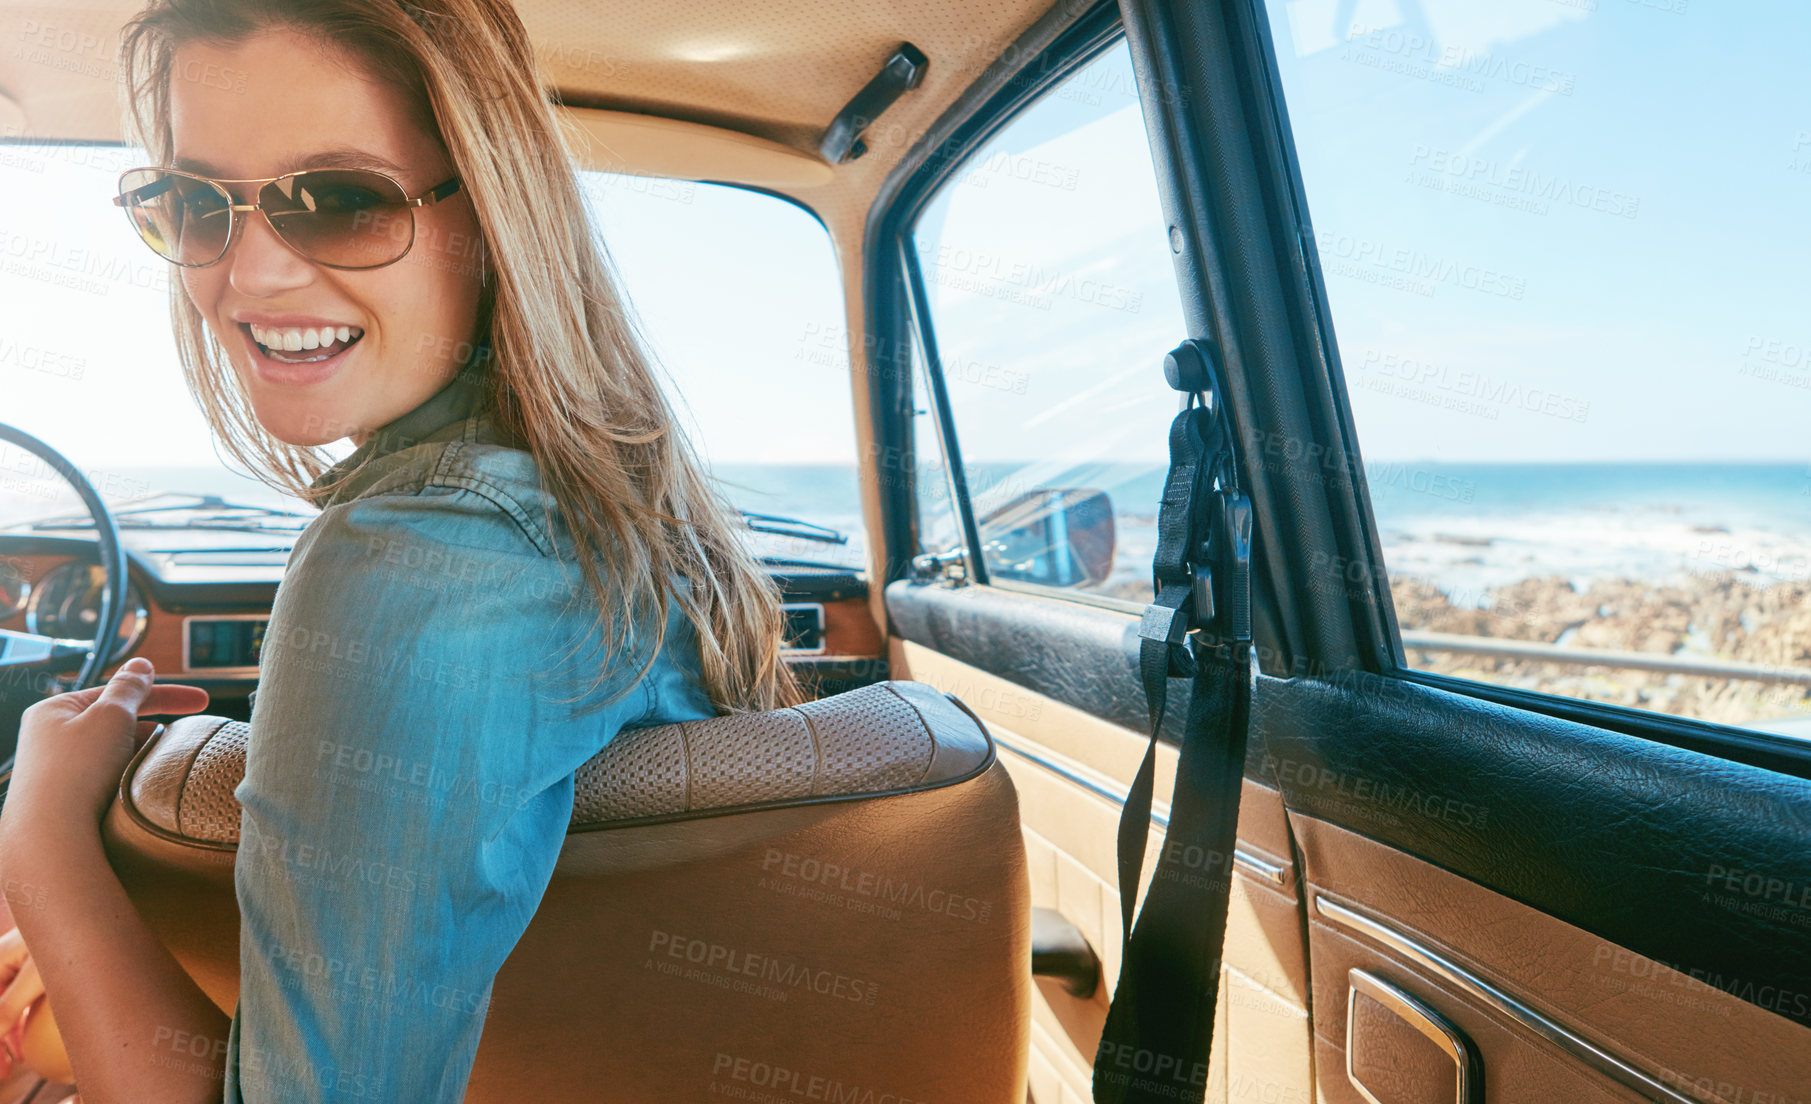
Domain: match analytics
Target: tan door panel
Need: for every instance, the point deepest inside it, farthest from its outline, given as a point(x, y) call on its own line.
point(1071, 770)
point(1557, 1012)
point(1516, 1070)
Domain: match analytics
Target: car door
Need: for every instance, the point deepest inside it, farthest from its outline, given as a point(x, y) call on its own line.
point(1029, 269)
point(1561, 803)
point(1526, 811)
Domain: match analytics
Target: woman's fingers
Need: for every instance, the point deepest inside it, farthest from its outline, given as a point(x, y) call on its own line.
point(144, 731)
point(13, 957)
point(130, 687)
point(173, 697)
point(167, 699)
point(12, 952)
point(27, 987)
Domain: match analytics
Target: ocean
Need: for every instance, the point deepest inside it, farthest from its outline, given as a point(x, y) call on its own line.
point(1467, 527)
point(1463, 528)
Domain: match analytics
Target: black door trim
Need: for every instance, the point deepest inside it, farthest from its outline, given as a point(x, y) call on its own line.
point(1062, 39)
point(1635, 841)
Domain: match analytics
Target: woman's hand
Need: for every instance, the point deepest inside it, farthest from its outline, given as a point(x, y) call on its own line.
point(115, 983)
point(74, 747)
point(22, 986)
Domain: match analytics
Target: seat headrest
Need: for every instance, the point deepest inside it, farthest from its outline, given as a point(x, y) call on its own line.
point(886, 738)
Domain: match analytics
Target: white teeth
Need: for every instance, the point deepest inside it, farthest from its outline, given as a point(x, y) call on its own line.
point(296, 339)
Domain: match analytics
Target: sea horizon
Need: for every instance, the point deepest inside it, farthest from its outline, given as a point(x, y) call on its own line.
point(1463, 527)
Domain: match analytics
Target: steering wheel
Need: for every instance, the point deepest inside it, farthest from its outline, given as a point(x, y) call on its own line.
point(28, 660)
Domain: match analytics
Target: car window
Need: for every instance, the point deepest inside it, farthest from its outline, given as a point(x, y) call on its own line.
point(927, 472)
point(1561, 245)
point(739, 298)
point(1051, 297)
point(87, 360)
point(733, 291)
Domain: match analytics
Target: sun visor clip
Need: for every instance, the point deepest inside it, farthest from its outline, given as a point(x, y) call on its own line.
point(902, 72)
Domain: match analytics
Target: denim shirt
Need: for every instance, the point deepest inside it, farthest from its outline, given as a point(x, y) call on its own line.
point(409, 774)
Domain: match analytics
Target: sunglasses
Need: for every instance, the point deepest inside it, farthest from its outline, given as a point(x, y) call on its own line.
point(341, 218)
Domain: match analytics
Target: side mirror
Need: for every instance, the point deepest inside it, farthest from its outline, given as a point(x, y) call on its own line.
point(1057, 536)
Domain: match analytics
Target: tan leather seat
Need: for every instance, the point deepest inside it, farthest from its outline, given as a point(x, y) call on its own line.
point(821, 903)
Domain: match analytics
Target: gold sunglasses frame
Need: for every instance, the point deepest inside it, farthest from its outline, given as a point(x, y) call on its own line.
point(234, 223)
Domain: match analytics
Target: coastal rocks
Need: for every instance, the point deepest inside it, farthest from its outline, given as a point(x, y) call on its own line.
point(1714, 615)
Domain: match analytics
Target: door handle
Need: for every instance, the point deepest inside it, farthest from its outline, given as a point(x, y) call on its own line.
point(1400, 1051)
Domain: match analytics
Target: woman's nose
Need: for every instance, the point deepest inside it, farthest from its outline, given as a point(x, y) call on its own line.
point(260, 263)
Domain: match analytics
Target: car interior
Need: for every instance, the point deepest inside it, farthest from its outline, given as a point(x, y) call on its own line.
point(1495, 840)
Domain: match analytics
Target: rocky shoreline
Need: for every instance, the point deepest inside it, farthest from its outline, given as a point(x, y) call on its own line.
point(1716, 615)
point(1712, 615)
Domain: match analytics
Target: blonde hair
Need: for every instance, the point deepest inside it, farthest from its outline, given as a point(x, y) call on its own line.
point(567, 373)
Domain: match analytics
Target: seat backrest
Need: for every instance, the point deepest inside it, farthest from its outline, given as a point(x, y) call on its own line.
point(865, 846)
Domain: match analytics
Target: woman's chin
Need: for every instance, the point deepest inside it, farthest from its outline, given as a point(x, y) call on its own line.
point(302, 425)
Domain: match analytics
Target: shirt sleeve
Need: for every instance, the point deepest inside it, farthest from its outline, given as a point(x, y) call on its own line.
point(408, 787)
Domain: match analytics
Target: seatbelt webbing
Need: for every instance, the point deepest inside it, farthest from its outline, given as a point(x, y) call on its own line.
point(1160, 1027)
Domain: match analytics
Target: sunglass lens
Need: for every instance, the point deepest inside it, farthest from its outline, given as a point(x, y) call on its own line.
point(341, 217)
point(183, 219)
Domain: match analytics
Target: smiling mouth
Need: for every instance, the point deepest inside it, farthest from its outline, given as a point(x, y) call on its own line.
point(303, 345)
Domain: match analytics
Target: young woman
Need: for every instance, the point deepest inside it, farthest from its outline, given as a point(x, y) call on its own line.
point(380, 236)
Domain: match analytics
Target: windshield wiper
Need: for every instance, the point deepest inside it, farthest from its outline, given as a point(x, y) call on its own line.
point(793, 527)
point(220, 516)
point(224, 516)
point(818, 565)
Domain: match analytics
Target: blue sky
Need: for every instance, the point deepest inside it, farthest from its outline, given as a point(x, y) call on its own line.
point(1633, 175)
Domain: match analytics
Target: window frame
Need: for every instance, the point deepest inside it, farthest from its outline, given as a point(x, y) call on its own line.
point(899, 309)
point(1379, 633)
point(855, 573)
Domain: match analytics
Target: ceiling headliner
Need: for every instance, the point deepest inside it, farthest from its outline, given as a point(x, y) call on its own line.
point(777, 70)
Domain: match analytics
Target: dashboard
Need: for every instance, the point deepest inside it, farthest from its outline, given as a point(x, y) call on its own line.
point(65, 601)
point(198, 616)
point(199, 613)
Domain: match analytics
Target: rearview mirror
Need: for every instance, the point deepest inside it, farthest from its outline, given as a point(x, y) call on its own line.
point(1057, 536)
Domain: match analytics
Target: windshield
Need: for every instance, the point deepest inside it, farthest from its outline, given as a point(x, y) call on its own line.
point(736, 292)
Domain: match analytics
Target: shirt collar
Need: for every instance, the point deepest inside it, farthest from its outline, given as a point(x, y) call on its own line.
point(440, 417)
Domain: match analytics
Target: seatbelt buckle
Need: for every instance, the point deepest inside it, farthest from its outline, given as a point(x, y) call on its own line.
point(1236, 525)
point(1167, 624)
point(1203, 595)
point(1223, 599)
point(1170, 627)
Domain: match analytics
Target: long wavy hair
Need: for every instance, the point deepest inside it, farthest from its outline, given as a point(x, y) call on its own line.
point(567, 373)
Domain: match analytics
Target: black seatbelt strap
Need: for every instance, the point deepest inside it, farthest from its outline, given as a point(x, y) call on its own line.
point(1160, 1028)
